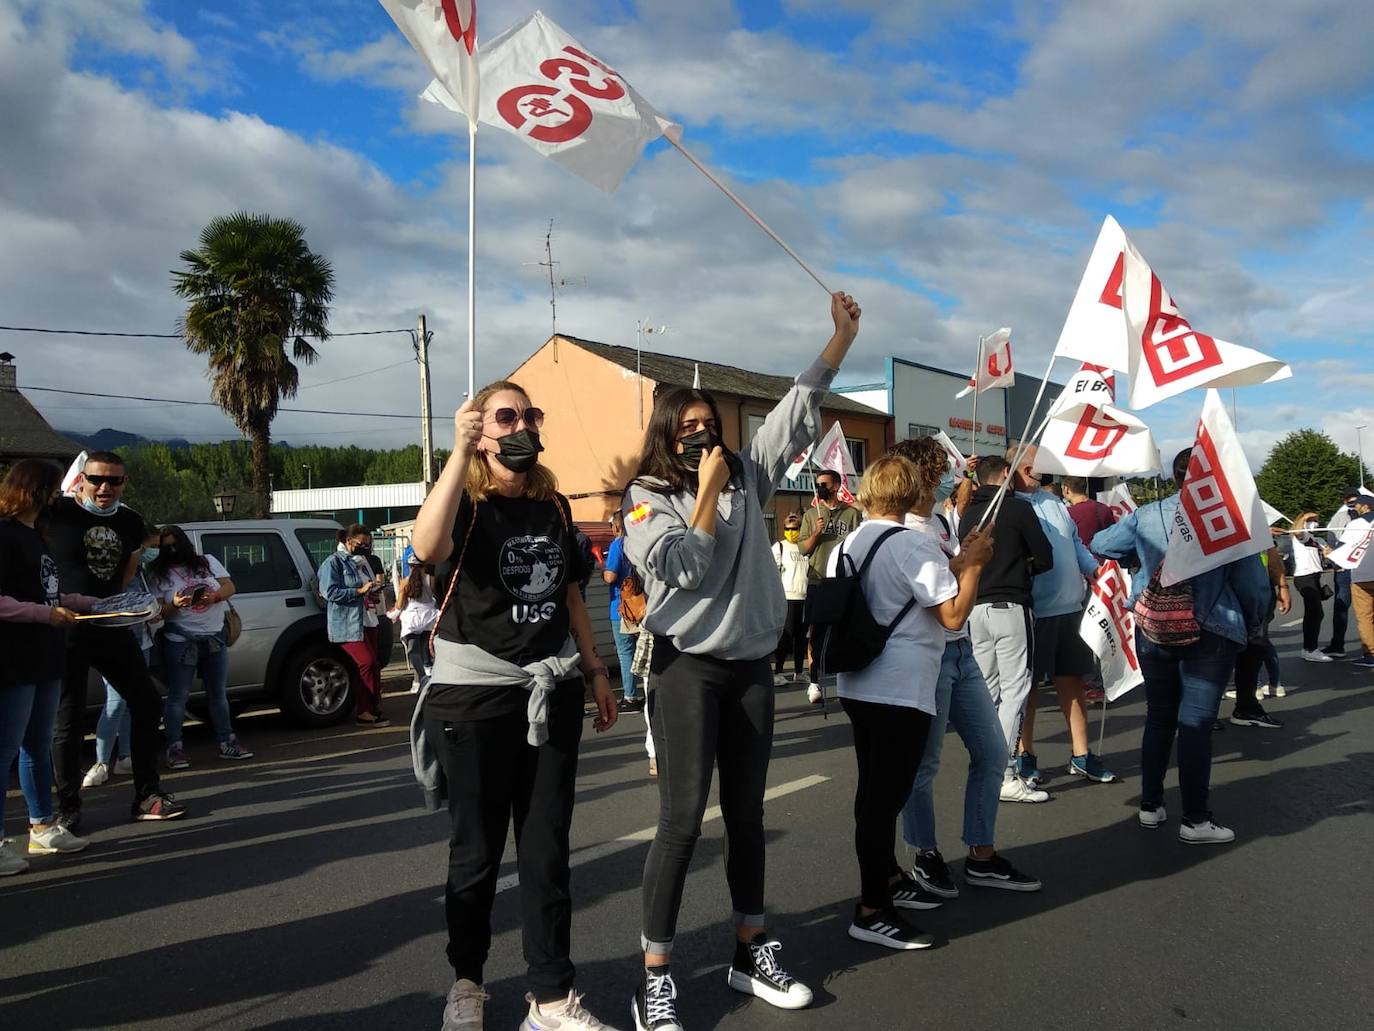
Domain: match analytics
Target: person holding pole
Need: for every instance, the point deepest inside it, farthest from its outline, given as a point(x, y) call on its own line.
point(823, 527)
point(695, 529)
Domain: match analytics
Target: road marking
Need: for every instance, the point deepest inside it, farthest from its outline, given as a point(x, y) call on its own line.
point(609, 848)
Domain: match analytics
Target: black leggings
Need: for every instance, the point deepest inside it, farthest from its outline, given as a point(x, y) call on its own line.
point(706, 712)
point(889, 741)
point(1310, 587)
point(793, 633)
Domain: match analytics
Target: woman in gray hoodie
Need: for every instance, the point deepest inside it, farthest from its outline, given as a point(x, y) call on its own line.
point(695, 530)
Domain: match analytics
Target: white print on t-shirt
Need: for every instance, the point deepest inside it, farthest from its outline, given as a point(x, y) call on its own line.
point(532, 613)
point(531, 568)
point(47, 570)
point(103, 551)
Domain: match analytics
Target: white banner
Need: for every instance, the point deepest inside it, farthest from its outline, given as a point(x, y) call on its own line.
point(1355, 542)
point(1119, 500)
point(997, 370)
point(1087, 435)
point(542, 85)
point(958, 464)
point(1273, 514)
point(444, 33)
point(1219, 517)
point(1108, 627)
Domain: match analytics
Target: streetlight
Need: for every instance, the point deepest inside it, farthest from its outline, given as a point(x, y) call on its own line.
point(224, 504)
point(1359, 444)
point(309, 478)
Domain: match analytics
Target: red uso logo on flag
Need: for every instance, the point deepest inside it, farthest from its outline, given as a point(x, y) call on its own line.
point(559, 116)
point(1093, 439)
point(1209, 502)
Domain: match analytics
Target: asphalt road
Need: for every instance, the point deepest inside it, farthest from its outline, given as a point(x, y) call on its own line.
point(305, 891)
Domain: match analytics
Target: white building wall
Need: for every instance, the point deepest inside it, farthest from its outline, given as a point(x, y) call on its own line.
point(923, 401)
point(334, 499)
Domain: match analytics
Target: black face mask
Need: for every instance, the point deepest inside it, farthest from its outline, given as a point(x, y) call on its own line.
point(696, 445)
point(824, 492)
point(520, 450)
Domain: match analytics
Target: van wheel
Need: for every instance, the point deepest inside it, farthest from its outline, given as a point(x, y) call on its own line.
point(317, 686)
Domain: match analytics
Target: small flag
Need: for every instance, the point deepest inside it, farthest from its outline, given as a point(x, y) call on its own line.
point(958, 464)
point(696, 376)
point(1108, 628)
point(997, 370)
point(1087, 435)
point(71, 482)
point(1354, 547)
point(1273, 514)
point(832, 454)
point(1119, 500)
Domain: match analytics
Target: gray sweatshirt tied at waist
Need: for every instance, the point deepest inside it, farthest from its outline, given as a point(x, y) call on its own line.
point(721, 595)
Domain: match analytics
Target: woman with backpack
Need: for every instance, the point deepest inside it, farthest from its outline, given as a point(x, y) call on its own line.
point(911, 589)
point(695, 530)
point(352, 594)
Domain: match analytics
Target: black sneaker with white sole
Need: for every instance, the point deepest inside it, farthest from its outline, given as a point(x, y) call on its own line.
point(908, 894)
point(654, 1004)
point(929, 870)
point(755, 971)
point(886, 928)
point(1256, 719)
point(998, 873)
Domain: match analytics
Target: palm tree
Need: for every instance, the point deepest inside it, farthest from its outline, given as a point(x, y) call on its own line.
point(253, 285)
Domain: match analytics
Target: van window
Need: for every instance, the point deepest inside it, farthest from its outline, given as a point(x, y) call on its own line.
point(319, 543)
point(258, 563)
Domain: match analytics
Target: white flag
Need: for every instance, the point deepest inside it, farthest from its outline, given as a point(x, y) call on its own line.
point(958, 464)
point(1149, 337)
point(543, 86)
point(1119, 500)
point(799, 463)
point(444, 33)
point(696, 375)
point(1087, 435)
point(1108, 627)
point(1353, 550)
point(996, 370)
point(1219, 517)
point(832, 454)
point(1273, 514)
point(71, 482)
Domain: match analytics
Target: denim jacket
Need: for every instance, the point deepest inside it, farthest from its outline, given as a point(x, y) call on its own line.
point(1231, 601)
point(1061, 589)
point(339, 583)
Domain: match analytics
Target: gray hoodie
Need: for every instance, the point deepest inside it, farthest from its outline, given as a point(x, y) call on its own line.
point(721, 595)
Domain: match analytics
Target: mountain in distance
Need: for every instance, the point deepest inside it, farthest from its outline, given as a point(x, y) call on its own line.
point(110, 439)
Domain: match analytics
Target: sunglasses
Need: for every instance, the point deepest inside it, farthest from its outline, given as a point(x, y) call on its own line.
point(506, 417)
point(101, 481)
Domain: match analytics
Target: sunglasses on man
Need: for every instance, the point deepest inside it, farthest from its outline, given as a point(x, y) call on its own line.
point(102, 481)
point(507, 417)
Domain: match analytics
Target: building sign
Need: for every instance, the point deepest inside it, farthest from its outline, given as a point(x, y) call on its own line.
point(967, 424)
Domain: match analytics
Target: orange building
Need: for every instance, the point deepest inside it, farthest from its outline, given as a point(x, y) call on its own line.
point(598, 398)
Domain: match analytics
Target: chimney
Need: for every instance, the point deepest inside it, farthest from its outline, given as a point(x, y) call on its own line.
point(7, 372)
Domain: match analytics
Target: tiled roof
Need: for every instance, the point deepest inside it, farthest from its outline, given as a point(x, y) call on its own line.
point(26, 434)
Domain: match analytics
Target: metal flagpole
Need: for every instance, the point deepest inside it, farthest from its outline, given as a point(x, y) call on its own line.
point(977, 371)
point(1102, 734)
point(472, 257)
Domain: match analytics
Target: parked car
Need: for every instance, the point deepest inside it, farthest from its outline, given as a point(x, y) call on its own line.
point(283, 655)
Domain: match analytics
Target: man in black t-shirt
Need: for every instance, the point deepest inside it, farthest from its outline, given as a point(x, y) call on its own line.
point(96, 541)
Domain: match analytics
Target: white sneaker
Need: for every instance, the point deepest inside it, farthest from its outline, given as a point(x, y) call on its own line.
point(53, 839)
point(414, 686)
point(1204, 833)
point(1014, 789)
point(123, 767)
point(568, 1015)
point(96, 776)
point(1317, 657)
point(11, 862)
point(1153, 819)
point(813, 694)
point(1280, 691)
point(464, 1007)
point(1230, 692)
point(1262, 691)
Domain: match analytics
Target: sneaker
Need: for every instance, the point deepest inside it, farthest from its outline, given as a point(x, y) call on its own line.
point(414, 686)
point(124, 767)
point(463, 1009)
point(653, 1003)
point(1317, 657)
point(53, 839)
point(813, 694)
point(888, 929)
point(1262, 691)
point(1279, 691)
point(568, 1015)
point(233, 749)
point(1230, 692)
point(177, 759)
point(1014, 789)
point(1152, 818)
point(11, 862)
point(998, 873)
point(755, 971)
point(1364, 662)
point(629, 705)
point(653, 767)
point(70, 819)
point(1027, 769)
point(928, 869)
point(908, 894)
point(1204, 832)
point(1334, 652)
point(157, 806)
point(1257, 719)
point(780, 679)
point(1090, 766)
point(96, 776)
point(369, 720)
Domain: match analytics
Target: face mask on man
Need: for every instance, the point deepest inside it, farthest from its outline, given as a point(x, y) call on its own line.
point(90, 506)
point(824, 491)
point(520, 450)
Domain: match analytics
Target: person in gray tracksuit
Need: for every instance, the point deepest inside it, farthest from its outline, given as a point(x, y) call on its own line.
point(694, 528)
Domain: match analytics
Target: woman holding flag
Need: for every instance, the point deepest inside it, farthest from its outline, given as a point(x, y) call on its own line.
point(695, 529)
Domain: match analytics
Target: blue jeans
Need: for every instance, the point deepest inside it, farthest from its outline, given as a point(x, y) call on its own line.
point(1183, 689)
point(1340, 609)
point(27, 713)
point(961, 698)
point(179, 671)
point(114, 724)
point(625, 648)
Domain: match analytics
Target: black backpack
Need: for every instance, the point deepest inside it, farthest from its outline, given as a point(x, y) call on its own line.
point(845, 637)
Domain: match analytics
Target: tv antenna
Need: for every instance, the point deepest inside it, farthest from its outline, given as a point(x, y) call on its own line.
point(556, 281)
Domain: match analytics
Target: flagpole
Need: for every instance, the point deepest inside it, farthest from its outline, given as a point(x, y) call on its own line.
point(745, 208)
point(1021, 447)
point(977, 371)
point(472, 257)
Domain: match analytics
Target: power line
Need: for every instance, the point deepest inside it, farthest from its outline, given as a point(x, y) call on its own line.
point(359, 375)
point(211, 404)
point(170, 336)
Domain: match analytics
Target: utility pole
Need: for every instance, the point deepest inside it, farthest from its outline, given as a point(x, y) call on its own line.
point(426, 416)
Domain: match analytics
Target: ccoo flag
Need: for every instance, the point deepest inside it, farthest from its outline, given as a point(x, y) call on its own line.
point(1119, 500)
point(1087, 435)
point(996, 370)
point(444, 33)
point(542, 85)
point(1108, 628)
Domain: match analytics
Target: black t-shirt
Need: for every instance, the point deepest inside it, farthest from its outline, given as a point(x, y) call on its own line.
point(512, 594)
point(91, 551)
point(31, 651)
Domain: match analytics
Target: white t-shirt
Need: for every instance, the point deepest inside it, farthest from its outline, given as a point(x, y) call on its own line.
point(949, 546)
point(199, 620)
point(911, 565)
point(420, 613)
point(793, 567)
point(364, 568)
point(1352, 534)
point(1307, 557)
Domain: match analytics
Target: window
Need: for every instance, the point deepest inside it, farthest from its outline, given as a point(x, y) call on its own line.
point(858, 454)
point(319, 543)
point(916, 430)
point(752, 424)
point(258, 563)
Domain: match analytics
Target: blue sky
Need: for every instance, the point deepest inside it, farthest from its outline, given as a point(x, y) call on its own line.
point(949, 163)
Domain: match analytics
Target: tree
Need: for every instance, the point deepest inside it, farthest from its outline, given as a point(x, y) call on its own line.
point(252, 285)
point(1307, 470)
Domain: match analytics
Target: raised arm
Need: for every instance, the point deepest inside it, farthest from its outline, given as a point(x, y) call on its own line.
point(433, 535)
